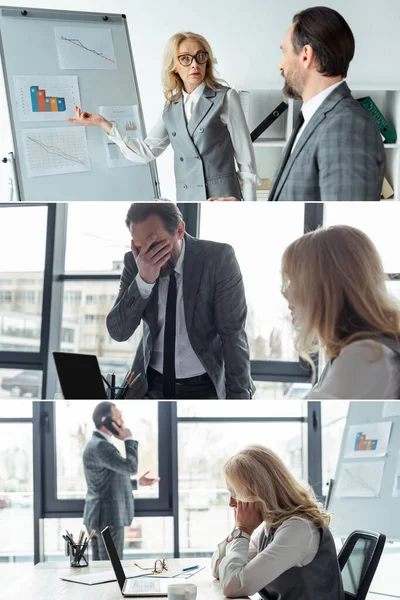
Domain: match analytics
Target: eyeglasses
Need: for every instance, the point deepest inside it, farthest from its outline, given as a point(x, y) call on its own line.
point(160, 565)
point(186, 59)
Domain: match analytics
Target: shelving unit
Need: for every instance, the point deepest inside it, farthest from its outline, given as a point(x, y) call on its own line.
point(257, 104)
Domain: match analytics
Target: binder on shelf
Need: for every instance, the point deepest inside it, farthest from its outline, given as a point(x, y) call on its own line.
point(388, 133)
point(267, 122)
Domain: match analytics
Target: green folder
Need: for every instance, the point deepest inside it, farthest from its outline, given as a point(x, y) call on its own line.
point(384, 127)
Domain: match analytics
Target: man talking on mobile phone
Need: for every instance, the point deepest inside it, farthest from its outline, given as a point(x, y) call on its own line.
point(109, 500)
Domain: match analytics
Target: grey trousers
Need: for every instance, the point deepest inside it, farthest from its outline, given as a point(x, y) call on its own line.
point(99, 551)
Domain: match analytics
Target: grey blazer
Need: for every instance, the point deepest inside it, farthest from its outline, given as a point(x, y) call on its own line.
point(109, 499)
point(215, 314)
point(339, 156)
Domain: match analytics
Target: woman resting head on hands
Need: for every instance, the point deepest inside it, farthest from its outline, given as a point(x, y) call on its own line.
point(334, 282)
point(281, 542)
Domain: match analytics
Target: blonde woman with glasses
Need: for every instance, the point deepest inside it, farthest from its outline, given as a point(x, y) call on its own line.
point(281, 542)
point(335, 285)
point(203, 121)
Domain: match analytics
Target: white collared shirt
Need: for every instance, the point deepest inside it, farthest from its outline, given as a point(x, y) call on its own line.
point(310, 108)
point(186, 362)
point(109, 438)
point(158, 140)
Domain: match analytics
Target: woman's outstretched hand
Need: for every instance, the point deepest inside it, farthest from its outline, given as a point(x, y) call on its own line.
point(85, 118)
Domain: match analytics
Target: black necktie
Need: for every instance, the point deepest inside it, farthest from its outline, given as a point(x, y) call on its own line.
point(288, 150)
point(168, 383)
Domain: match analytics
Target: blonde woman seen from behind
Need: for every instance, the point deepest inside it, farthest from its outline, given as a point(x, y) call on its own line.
point(281, 542)
point(335, 285)
point(203, 121)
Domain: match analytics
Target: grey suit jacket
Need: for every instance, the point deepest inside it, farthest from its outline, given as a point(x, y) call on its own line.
point(339, 156)
point(109, 499)
point(215, 313)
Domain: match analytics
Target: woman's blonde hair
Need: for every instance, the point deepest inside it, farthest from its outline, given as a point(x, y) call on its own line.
point(172, 83)
point(337, 281)
point(257, 474)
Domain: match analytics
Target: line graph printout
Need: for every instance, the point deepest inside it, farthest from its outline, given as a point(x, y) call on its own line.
point(56, 151)
point(43, 98)
point(360, 480)
point(85, 48)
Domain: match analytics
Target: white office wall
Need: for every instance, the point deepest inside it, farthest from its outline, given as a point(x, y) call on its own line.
point(245, 37)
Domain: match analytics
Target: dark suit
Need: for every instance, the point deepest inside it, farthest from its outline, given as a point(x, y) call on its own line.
point(339, 155)
point(215, 314)
point(109, 499)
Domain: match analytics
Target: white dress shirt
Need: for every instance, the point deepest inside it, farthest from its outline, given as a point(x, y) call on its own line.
point(109, 438)
point(364, 370)
point(310, 108)
point(186, 362)
point(243, 571)
point(232, 116)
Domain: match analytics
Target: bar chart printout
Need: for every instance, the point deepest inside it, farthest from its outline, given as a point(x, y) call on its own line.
point(368, 440)
point(45, 98)
point(55, 151)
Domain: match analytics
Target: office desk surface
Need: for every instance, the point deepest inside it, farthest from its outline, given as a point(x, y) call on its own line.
point(43, 582)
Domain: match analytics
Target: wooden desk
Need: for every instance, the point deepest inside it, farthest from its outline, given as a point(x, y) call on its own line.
point(42, 582)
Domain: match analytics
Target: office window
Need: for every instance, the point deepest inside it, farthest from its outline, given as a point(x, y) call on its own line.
point(203, 449)
point(225, 408)
point(259, 234)
point(16, 492)
point(5, 297)
point(88, 324)
point(22, 264)
point(15, 409)
point(20, 383)
point(72, 297)
point(97, 237)
point(380, 221)
point(74, 427)
point(147, 538)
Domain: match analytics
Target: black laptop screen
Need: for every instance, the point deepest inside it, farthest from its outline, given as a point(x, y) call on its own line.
point(79, 376)
point(113, 556)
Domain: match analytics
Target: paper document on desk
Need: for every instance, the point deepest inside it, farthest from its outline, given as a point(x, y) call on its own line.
point(101, 576)
point(177, 573)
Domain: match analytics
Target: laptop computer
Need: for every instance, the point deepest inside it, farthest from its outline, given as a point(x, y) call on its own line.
point(137, 587)
point(79, 376)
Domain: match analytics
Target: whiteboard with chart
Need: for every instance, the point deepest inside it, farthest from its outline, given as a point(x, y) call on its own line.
point(56, 60)
point(366, 490)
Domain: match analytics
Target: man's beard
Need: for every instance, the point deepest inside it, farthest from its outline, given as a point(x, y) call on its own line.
point(168, 268)
point(290, 90)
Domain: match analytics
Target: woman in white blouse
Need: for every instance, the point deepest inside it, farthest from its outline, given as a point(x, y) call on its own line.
point(281, 542)
point(335, 284)
point(204, 122)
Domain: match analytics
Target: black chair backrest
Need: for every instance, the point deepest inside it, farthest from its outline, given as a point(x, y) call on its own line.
point(358, 561)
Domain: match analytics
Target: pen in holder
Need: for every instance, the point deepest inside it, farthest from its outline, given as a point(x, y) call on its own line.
point(78, 554)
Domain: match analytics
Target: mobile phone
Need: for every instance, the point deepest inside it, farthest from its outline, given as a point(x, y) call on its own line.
point(108, 422)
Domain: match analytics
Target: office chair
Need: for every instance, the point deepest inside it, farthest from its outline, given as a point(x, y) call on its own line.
point(358, 561)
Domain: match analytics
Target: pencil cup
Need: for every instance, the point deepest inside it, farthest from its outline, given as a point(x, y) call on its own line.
point(182, 591)
point(78, 555)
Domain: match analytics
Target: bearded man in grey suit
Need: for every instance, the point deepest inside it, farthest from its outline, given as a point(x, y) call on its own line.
point(189, 295)
point(335, 151)
point(109, 499)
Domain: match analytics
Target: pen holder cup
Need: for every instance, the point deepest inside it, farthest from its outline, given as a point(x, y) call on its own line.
point(79, 555)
